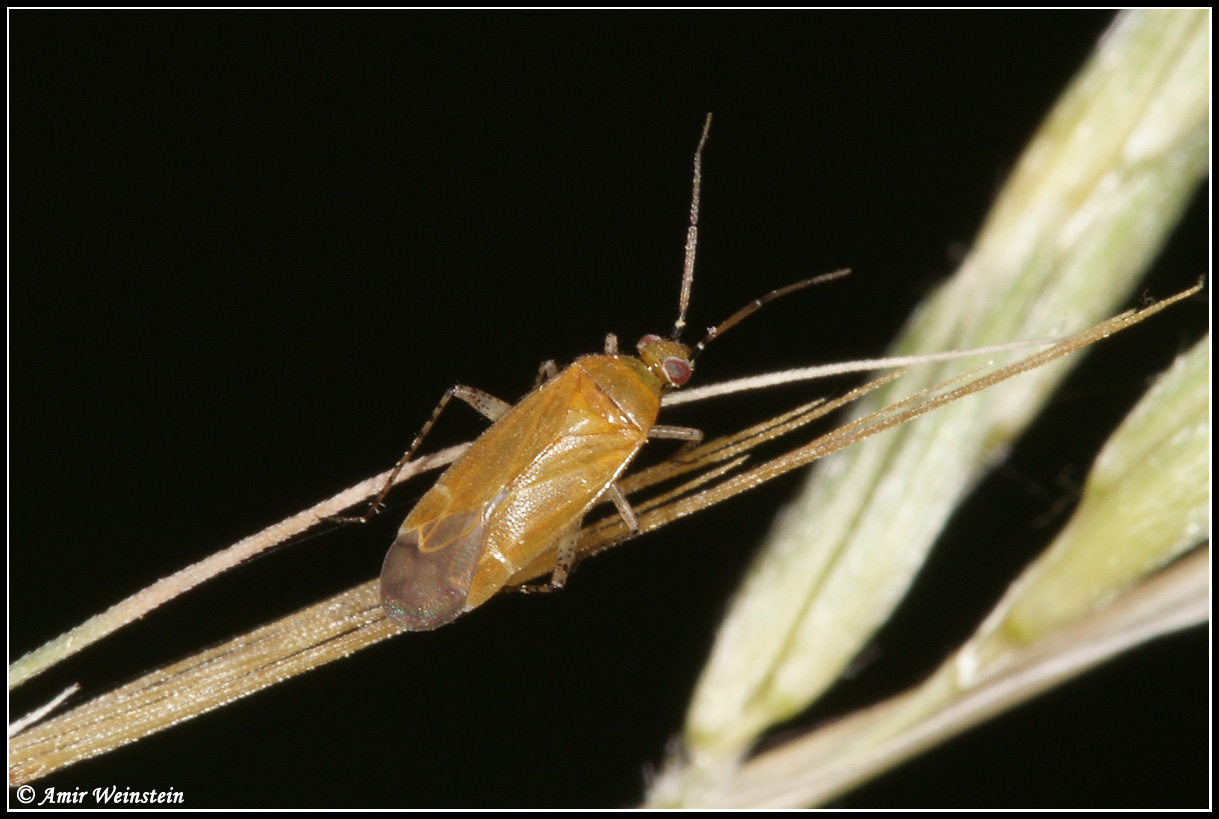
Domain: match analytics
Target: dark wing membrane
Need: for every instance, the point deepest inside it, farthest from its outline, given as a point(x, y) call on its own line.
point(427, 572)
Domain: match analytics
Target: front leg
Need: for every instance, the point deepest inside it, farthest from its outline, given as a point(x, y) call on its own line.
point(546, 371)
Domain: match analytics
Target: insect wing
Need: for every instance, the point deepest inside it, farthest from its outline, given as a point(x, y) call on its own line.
point(550, 494)
point(546, 501)
point(503, 451)
point(518, 489)
point(427, 571)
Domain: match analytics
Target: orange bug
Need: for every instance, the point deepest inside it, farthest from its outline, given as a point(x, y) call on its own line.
point(524, 486)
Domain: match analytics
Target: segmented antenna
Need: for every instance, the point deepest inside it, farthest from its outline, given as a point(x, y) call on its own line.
point(755, 305)
point(687, 279)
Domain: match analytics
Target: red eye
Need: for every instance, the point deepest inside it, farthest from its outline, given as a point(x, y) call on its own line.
point(677, 371)
point(646, 340)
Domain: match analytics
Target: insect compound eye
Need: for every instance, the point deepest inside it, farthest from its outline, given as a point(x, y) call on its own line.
point(668, 360)
point(677, 371)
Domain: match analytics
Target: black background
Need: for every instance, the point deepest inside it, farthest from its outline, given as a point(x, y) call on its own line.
point(250, 250)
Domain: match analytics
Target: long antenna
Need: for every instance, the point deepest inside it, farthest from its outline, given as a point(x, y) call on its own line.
point(755, 305)
point(687, 279)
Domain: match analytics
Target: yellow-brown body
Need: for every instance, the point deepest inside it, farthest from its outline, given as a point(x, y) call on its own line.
point(524, 485)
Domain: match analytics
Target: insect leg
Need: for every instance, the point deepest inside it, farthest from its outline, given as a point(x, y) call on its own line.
point(624, 508)
point(679, 433)
point(611, 344)
point(485, 403)
point(565, 559)
point(546, 371)
point(565, 546)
